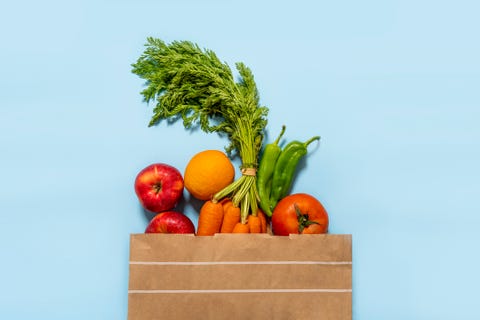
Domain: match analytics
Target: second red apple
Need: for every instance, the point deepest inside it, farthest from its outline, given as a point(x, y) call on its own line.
point(170, 222)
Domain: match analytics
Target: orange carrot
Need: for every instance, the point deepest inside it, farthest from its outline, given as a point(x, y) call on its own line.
point(230, 218)
point(210, 218)
point(241, 228)
point(255, 224)
point(226, 202)
point(263, 221)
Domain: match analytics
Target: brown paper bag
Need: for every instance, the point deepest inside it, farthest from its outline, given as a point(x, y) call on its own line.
point(240, 276)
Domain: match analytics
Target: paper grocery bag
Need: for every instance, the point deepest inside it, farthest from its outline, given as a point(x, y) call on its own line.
point(240, 276)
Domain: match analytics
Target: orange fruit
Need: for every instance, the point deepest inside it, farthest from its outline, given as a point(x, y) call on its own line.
point(208, 172)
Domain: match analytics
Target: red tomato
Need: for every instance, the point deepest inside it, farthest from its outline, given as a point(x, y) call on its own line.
point(299, 213)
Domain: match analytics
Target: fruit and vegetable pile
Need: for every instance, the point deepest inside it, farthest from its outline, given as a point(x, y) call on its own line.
point(192, 84)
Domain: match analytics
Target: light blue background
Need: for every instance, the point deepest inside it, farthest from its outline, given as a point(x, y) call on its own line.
point(391, 86)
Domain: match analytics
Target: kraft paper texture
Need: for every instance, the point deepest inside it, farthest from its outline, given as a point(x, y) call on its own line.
point(240, 276)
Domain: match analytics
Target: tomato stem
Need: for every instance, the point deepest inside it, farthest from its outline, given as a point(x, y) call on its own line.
point(303, 221)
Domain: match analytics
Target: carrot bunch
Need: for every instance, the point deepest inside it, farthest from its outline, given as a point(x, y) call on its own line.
point(224, 217)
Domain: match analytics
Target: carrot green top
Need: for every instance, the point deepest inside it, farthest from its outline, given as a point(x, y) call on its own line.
point(191, 83)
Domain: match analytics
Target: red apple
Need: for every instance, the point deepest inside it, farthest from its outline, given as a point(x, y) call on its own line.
point(159, 187)
point(170, 222)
